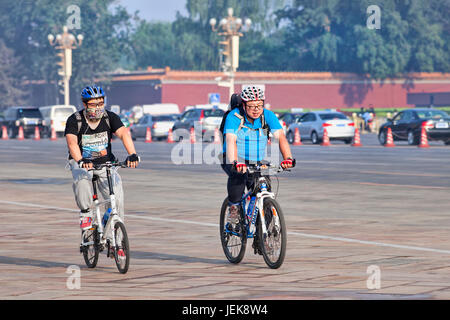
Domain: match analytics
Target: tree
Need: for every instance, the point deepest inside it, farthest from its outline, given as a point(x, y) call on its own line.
point(11, 92)
point(26, 24)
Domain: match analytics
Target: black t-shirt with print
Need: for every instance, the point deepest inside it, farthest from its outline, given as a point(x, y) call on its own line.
point(94, 144)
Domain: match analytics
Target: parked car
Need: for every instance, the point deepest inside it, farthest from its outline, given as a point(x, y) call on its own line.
point(209, 119)
point(311, 127)
point(27, 117)
point(56, 117)
point(287, 118)
point(407, 125)
point(158, 124)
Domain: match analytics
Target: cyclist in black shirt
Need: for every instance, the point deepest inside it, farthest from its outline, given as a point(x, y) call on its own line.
point(88, 135)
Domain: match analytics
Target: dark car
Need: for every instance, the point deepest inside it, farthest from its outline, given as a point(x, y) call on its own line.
point(287, 118)
point(407, 125)
point(26, 117)
point(208, 120)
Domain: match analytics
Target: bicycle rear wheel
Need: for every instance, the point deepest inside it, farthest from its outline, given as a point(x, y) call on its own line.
point(234, 242)
point(122, 249)
point(273, 245)
point(91, 251)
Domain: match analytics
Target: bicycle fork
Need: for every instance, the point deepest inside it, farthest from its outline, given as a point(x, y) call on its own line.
point(260, 204)
point(103, 231)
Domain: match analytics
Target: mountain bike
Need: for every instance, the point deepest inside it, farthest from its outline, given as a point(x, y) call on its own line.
point(260, 218)
point(107, 232)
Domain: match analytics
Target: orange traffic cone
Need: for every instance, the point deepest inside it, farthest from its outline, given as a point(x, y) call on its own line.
point(193, 140)
point(4, 133)
point(37, 134)
point(423, 139)
point(389, 139)
point(326, 140)
point(148, 136)
point(216, 136)
point(170, 136)
point(53, 135)
point(297, 138)
point(21, 135)
point(356, 139)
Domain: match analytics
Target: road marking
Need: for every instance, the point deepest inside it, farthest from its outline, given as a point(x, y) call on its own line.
point(402, 185)
point(407, 174)
point(306, 235)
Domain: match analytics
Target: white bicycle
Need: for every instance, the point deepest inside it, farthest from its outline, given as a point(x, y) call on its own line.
point(110, 234)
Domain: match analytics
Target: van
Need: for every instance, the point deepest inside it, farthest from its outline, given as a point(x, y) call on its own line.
point(27, 118)
point(56, 116)
point(161, 108)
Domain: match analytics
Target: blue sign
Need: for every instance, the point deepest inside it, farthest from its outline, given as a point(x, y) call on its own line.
point(214, 98)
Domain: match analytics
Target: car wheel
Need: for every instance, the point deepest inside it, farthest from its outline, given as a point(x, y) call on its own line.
point(290, 137)
point(447, 142)
point(382, 137)
point(348, 141)
point(314, 137)
point(412, 139)
point(11, 134)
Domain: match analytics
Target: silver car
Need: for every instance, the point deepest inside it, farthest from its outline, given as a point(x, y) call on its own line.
point(312, 124)
point(158, 124)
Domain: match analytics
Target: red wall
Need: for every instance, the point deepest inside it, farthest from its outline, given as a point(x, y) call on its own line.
point(283, 96)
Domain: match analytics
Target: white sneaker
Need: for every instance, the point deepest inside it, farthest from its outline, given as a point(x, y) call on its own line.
point(233, 214)
point(85, 221)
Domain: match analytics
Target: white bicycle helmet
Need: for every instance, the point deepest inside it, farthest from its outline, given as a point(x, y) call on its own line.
point(252, 93)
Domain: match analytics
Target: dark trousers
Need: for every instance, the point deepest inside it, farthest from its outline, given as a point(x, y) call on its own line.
point(236, 183)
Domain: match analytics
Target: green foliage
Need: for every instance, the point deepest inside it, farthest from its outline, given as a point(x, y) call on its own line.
point(11, 92)
point(294, 35)
point(27, 24)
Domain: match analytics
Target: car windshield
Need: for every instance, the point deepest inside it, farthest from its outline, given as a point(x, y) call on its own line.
point(164, 118)
point(332, 116)
point(63, 112)
point(29, 113)
point(432, 114)
point(214, 113)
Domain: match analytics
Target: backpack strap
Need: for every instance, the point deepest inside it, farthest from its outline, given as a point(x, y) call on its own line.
point(241, 118)
point(79, 119)
point(264, 126)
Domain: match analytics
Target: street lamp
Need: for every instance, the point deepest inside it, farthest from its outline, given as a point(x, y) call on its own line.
point(229, 28)
point(65, 42)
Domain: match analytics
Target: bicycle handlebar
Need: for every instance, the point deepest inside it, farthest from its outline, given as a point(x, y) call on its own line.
point(109, 164)
point(252, 168)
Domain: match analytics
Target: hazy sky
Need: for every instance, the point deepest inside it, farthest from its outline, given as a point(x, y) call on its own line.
point(155, 9)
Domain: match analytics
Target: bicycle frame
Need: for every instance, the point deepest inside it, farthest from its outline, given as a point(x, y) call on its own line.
point(105, 232)
point(259, 205)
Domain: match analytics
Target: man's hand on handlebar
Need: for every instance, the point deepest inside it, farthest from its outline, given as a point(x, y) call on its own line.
point(288, 163)
point(85, 164)
point(240, 167)
point(132, 160)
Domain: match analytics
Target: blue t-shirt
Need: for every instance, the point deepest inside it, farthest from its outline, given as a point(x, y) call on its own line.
point(251, 143)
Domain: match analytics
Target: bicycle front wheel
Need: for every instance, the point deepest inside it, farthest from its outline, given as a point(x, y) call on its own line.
point(273, 244)
point(90, 251)
point(233, 241)
point(122, 249)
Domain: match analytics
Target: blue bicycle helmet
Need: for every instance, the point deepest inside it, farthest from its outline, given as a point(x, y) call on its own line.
point(92, 92)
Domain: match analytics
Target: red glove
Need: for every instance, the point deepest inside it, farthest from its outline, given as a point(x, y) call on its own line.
point(288, 163)
point(239, 165)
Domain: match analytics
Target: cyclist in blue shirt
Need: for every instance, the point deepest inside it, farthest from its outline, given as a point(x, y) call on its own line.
point(246, 134)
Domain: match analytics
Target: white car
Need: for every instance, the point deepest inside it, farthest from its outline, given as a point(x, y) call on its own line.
point(312, 124)
point(56, 117)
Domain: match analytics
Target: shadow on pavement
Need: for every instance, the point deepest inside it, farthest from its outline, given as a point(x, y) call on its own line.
point(180, 258)
point(31, 262)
